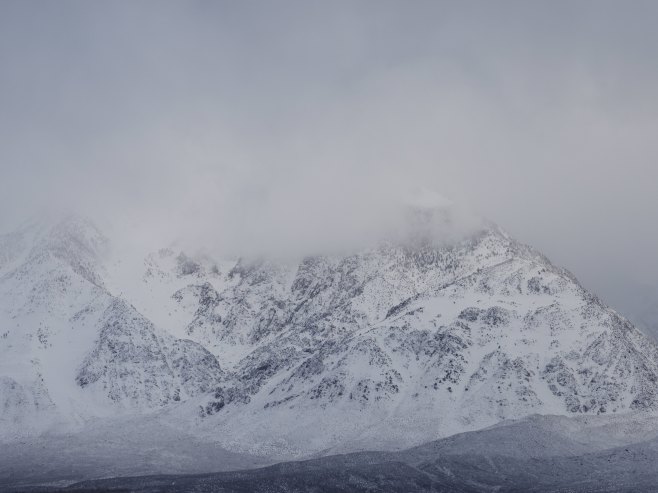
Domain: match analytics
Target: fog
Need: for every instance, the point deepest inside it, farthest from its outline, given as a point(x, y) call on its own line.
point(243, 123)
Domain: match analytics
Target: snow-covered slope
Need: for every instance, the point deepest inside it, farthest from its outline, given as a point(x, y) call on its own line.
point(68, 348)
point(419, 337)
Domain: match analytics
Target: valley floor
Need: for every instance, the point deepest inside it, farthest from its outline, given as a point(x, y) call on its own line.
point(536, 454)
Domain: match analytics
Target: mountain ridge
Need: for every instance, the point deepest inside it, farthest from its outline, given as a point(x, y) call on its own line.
point(386, 347)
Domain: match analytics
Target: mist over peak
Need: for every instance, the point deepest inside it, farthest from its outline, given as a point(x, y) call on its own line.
point(255, 129)
point(421, 197)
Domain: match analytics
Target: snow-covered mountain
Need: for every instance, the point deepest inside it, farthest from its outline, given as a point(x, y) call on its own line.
point(419, 337)
point(69, 349)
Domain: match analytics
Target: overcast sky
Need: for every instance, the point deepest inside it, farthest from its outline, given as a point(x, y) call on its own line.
point(241, 119)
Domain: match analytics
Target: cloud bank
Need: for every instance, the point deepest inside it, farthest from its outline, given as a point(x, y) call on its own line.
point(239, 124)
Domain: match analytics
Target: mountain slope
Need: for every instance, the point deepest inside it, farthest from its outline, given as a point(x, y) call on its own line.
point(68, 347)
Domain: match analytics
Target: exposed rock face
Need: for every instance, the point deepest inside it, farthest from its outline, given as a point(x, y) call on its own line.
point(133, 362)
point(399, 344)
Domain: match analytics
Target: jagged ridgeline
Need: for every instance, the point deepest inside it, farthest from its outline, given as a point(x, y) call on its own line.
point(423, 335)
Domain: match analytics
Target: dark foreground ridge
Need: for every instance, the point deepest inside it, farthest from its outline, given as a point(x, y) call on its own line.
point(526, 456)
point(609, 472)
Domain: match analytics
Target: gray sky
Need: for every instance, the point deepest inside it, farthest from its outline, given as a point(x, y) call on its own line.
point(248, 119)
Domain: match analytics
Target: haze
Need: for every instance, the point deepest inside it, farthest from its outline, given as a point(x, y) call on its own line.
point(243, 121)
